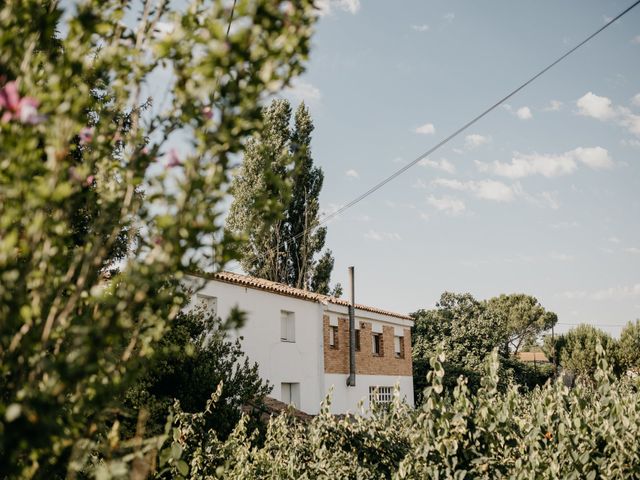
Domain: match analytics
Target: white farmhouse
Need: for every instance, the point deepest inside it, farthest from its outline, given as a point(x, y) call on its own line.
point(300, 341)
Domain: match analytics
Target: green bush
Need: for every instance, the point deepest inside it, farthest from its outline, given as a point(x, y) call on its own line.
point(551, 432)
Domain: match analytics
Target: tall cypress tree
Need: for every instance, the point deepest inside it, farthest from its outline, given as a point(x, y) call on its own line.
point(278, 171)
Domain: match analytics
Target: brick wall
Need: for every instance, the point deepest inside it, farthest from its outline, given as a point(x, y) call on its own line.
point(336, 360)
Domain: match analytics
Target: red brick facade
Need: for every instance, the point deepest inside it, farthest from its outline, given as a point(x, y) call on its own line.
point(336, 359)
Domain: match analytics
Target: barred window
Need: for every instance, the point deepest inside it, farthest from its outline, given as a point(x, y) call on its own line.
point(380, 394)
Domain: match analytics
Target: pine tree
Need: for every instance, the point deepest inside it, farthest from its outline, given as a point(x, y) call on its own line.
point(278, 172)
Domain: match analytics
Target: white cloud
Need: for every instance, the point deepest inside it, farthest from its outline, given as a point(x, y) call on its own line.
point(420, 28)
point(426, 129)
point(633, 143)
point(476, 140)
point(634, 250)
point(591, 105)
point(562, 257)
point(449, 205)
point(636, 100)
point(631, 122)
point(636, 40)
point(351, 173)
point(486, 189)
point(303, 91)
point(614, 239)
point(449, 16)
point(442, 164)
point(554, 106)
point(550, 165)
point(326, 7)
point(382, 236)
point(617, 293)
point(524, 113)
point(564, 225)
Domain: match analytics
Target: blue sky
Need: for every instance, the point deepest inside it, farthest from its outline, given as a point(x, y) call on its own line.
point(539, 197)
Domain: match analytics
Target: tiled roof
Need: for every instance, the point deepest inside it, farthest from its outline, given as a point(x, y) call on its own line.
point(282, 289)
point(532, 357)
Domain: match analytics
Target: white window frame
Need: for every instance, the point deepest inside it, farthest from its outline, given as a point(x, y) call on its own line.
point(333, 336)
point(290, 393)
point(397, 345)
point(380, 394)
point(377, 352)
point(287, 326)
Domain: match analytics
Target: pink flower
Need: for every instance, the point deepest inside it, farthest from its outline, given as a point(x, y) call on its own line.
point(207, 113)
point(23, 109)
point(89, 181)
point(86, 135)
point(174, 159)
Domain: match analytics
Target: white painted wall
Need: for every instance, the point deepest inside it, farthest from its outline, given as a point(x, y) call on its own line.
point(279, 362)
point(302, 361)
point(346, 399)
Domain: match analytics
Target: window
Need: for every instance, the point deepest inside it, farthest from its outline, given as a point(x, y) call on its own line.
point(287, 326)
point(333, 337)
point(357, 340)
point(209, 303)
point(290, 393)
point(380, 395)
point(377, 345)
point(398, 346)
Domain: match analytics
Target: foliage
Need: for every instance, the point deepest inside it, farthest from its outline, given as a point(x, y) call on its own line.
point(553, 432)
point(467, 330)
point(526, 318)
point(72, 338)
point(192, 359)
point(278, 175)
point(629, 347)
point(577, 351)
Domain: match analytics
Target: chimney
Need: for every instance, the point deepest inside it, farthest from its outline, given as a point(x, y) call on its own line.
point(351, 380)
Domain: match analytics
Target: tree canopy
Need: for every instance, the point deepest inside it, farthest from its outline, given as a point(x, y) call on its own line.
point(526, 318)
point(86, 158)
point(278, 175)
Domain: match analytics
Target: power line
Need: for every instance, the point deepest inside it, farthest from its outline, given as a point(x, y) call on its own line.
point(457, 132)
point(474, 120)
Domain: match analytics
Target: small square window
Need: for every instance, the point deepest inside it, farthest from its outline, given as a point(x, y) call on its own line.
point(333, 337)
point(287, 326)
point(377, 344)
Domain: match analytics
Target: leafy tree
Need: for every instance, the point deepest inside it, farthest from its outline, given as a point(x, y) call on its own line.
point(577, 351)
point(629, 346)
point(73, 337)
point(192, 359)
point(278, 174)
point(466, 329)
point(526, 318)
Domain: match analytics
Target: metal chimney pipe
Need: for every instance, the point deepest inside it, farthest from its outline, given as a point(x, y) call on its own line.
point(351, 380)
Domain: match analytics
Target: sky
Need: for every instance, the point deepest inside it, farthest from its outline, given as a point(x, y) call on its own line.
point(540, 197)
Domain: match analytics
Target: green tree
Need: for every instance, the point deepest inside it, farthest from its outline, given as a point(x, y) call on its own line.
point(526, 318)
point(193, 358)
point(577, 351)
point(278, 174)
point(467, 331)
point(74, 337)
point(629, 346)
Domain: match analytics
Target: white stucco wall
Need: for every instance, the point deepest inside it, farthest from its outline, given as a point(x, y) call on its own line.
point(345, 399)
point(303, 360)
point(299, 362)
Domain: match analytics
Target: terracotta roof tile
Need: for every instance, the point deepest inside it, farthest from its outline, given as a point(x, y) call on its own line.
point(282, 289)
